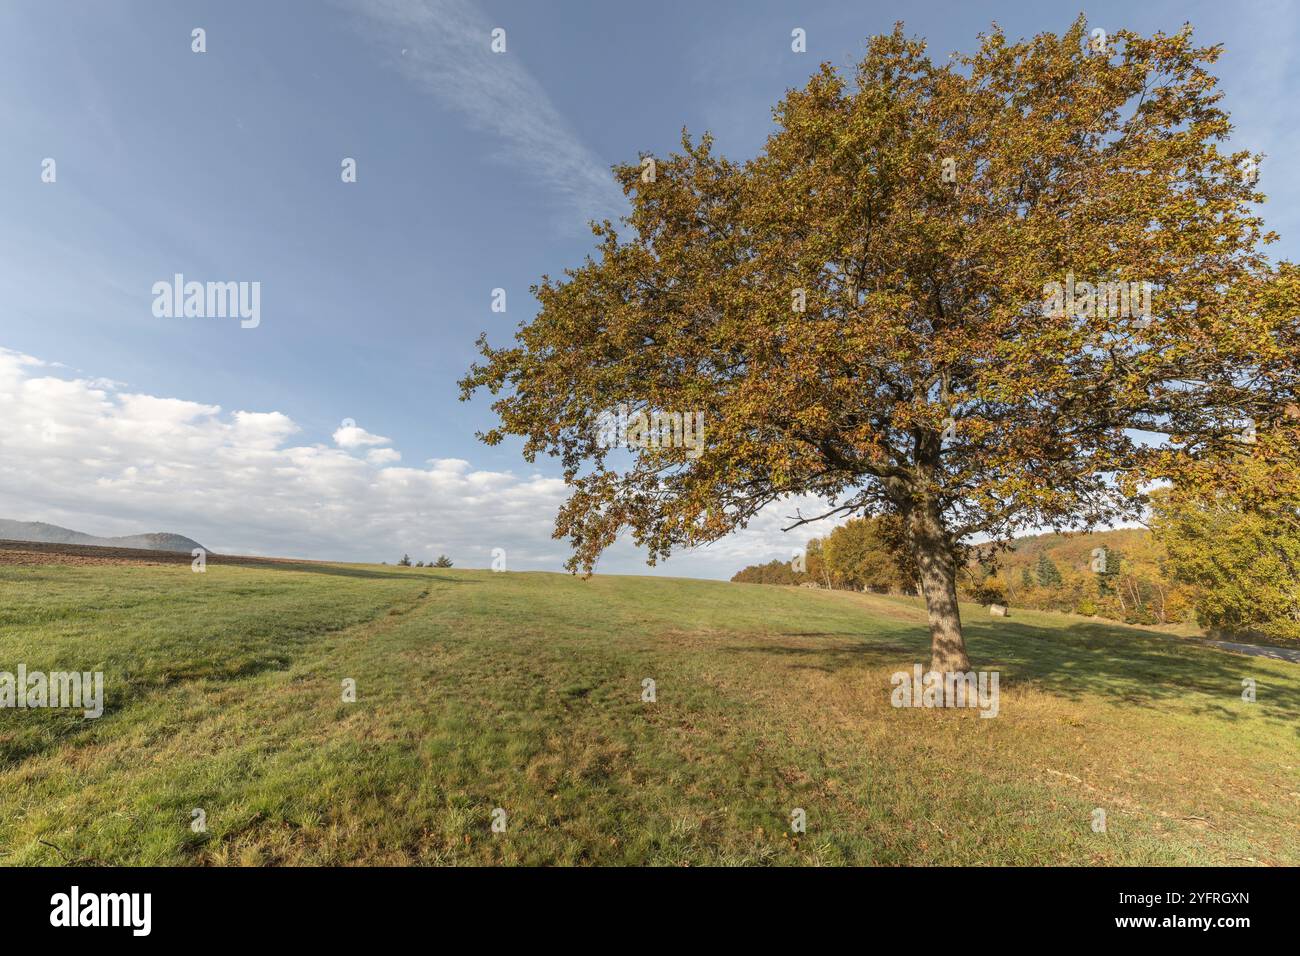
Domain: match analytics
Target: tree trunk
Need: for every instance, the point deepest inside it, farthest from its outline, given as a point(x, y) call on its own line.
point(937, 561)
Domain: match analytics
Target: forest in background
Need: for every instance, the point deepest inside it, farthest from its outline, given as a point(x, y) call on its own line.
point(1214, 564)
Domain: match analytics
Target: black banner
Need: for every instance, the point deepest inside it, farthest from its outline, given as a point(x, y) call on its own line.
point(332, 906)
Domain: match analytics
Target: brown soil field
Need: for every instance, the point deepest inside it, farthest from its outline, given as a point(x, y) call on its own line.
point(35, 553)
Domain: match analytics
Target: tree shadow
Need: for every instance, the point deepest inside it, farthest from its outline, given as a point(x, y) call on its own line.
point(1078, 660)
point(1141, 669)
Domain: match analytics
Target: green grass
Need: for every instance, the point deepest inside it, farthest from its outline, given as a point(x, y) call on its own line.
point(523, 691)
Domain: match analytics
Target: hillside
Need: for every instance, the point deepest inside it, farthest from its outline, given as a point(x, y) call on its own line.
point(1120, 574)
point(41, 532)
point(1072, 550)
point(525, 692)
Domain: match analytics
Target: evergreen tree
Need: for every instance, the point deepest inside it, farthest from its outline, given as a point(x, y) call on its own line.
point(1108, 580)
point(1049, 575)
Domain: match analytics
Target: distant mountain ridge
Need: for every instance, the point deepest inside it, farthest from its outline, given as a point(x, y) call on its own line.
point(44, 533)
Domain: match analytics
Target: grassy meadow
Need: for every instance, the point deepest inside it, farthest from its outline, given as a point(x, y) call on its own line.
point(521, 691)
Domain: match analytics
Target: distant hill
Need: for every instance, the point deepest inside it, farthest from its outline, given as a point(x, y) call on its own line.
point(1072, 549)
point(53, 534)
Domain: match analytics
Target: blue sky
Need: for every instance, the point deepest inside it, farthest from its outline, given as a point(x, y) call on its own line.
point(475, 171)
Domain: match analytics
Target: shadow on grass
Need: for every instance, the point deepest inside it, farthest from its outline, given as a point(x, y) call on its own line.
point(1075, 661)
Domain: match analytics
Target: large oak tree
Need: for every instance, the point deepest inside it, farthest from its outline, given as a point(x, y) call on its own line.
point(858, 311)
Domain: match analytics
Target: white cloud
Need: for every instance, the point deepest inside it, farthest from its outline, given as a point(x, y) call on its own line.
point(350, 435)
point(443, 46)
point(94, 458)
point(87, 455)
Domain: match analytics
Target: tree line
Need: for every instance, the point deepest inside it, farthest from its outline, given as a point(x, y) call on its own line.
point(442, 562)
point(1229, 564)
